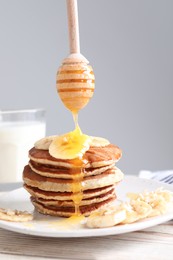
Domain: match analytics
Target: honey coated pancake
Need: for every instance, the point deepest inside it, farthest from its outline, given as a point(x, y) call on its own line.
point(109, 177)
point(70, 203)
point(69, 211)
point(95, 157)
point(64, 173)
point(50, 195)
point(54, 184)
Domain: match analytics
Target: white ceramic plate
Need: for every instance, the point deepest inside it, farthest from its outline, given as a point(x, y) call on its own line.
point(50, 227)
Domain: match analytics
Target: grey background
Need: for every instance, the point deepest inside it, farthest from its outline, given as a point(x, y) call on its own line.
point(128, 43)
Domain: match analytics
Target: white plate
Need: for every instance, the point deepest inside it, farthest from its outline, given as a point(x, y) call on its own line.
point(46, 225)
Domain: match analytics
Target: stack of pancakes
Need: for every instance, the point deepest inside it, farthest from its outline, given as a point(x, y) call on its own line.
point(50, 180)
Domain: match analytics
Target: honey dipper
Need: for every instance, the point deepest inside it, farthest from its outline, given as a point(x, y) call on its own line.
point(75, 78)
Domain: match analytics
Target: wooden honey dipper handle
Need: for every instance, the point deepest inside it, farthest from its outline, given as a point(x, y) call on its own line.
point(73, 25)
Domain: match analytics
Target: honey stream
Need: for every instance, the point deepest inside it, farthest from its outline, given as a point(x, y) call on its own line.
point(77, 174)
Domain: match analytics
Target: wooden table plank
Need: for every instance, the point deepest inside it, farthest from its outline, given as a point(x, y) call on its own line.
point(20, 257)
point(153, 243)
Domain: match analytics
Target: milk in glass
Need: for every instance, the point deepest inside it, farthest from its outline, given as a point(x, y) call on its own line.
point(16, 138)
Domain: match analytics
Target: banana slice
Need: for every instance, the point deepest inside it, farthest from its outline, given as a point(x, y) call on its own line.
point(136, 210)
point(70, 146)
point(98, 141)
point(106, 218)
point(15, 215)
point(159, 201)
point(44, 143)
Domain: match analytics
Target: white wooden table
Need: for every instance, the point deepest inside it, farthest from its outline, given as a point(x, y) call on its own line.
point(152, 243)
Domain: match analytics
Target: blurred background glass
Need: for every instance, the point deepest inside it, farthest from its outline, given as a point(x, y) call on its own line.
point(19, 129)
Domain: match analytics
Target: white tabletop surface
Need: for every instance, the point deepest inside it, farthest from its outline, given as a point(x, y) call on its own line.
point(153, 243)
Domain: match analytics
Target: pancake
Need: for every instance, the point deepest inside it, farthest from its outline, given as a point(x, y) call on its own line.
point(69, 211)
point(64, 173)
point(70, 203)
point(109, 177)
point(50, 195)
point(95, 157)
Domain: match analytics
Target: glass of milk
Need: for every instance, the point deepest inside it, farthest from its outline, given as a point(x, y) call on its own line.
point(19, 130)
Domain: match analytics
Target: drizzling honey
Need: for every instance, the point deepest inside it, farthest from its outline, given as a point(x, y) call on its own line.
point(77, 175)
point(72, 146)
point(77, 190)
